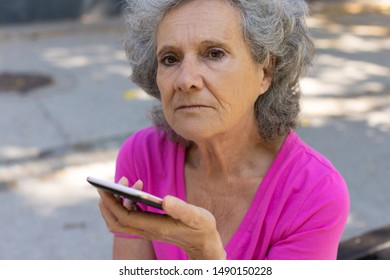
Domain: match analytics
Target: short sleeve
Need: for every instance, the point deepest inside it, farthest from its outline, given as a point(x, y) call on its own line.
point(125, 161)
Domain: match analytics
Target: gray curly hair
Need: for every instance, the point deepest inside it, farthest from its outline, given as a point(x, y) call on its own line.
point(272, 28)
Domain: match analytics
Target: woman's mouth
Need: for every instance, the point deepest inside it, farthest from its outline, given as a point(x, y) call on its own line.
point(192, 107)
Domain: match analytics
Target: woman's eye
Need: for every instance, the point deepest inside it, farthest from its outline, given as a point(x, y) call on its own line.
point(168, 60)
point(216, 54)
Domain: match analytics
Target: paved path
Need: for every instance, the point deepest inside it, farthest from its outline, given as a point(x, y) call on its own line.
point(52, 138)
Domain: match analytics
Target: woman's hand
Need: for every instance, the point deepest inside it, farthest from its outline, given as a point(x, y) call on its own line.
point(187, 226)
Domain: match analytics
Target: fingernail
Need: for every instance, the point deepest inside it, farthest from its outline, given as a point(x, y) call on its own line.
point(167, 202)
point(122, 181)
point(126, 202)
point(138, 184)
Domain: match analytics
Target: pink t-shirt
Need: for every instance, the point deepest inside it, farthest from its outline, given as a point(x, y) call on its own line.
point(299, 211)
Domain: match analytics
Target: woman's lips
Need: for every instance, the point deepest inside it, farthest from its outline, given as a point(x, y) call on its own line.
point(192, 107)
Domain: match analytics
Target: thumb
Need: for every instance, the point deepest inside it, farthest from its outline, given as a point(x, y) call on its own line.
point(191, 215)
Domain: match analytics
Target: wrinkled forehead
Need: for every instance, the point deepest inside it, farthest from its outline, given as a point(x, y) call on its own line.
point(203, 18)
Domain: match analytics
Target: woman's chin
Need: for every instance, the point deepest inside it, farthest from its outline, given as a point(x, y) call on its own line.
point(194, 132)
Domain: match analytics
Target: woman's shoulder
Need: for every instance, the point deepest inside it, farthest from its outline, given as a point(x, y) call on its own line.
point(308, 171)
point(150, 146)
point(150, 138)
point(309, 183)
point(303, 156)
point(150, 155)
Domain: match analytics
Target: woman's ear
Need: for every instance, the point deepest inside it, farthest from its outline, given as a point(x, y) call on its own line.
point(269, 67)
point(268, 71)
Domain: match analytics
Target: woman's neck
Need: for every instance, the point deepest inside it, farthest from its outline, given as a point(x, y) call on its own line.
point(232, 154)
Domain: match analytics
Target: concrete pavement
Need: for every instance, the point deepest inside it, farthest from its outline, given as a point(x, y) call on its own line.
point(53, 137)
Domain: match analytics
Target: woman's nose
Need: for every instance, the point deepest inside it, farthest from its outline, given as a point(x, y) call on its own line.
point(189, 76)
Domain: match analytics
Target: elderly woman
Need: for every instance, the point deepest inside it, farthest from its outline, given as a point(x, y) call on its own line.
point(237, 182)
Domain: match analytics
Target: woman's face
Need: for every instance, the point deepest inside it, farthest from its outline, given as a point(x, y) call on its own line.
point(206, 75)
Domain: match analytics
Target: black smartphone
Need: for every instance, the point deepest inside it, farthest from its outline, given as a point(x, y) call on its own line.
point(127, 192)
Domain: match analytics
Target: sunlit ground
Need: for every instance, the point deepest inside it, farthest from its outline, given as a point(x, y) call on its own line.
point(350, 77)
